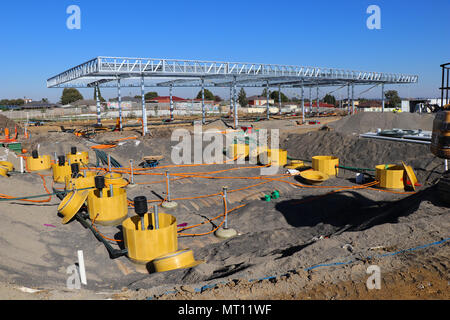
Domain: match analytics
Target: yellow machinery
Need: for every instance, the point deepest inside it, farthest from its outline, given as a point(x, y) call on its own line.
point(440, 139)
point(326, 164)
point(149, 236)
point(38, 163)
point(108, 206)
point(181, 259)
point(313, 177)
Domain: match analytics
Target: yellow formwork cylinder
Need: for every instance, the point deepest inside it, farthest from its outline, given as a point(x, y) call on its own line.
point(79, 157)
point(144, 246)
point(277, 157)
point(81, 182)
point(115, 179)
point(3, 171)
point(7, 165)
point(38, 164)
point(61, 172)
point(107, 210)
point(326, 164)
point(390, 176)
point(239, 150)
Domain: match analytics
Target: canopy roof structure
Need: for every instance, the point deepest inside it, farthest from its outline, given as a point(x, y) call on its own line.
point(105, 72)
point(116, 72)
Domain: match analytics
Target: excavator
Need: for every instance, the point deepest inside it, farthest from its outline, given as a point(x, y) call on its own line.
point(440, 139)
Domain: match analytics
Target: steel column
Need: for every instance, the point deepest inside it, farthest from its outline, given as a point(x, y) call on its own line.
point(203, 101)
point(267, 96)
point(99, 122)
point(310, 99)
point(171, 102)
point(303, 105)
point(382, 98)
point(279, 98)
point(236, 120)
point(119, 101)
point(144, 109)
point(348, 98)
point(317, 100)
point(353, 98)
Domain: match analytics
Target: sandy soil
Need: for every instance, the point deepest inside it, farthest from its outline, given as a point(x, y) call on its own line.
point(278, 239)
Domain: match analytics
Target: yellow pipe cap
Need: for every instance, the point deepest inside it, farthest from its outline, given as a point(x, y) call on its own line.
point(71, 204)
point(181, 259)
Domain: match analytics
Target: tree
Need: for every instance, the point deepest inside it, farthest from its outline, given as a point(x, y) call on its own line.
point(393, 98)
point(70, 95)
point(217, 99)
point(44, 100)
point(242, 98)
point(264, 93)
point(329, 99)
point(208, 95)
point(151, 95)
point(274, 96)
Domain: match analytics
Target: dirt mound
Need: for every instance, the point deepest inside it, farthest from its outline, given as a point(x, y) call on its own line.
point(362, 152)
point(370, 121)
point(5, 122)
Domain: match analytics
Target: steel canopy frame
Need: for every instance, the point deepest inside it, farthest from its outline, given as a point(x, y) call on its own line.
point(112, 72)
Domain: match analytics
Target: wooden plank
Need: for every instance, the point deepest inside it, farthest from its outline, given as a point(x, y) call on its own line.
point(194, 205)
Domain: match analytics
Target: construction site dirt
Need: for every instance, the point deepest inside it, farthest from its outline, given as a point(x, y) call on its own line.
point(313, 242)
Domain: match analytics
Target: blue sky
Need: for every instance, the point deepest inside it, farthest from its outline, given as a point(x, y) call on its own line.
point(36, 43)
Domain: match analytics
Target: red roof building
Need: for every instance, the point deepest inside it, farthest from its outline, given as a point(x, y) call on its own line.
point(166, 99)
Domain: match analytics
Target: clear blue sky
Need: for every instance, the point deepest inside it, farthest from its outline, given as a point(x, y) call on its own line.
point(37, 45)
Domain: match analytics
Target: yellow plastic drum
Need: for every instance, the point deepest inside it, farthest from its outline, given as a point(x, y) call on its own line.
point(277, 157)
point(7, 164)
point(294, 164)
point(313, 177)
point(115, 179)
point(3, 171)
point(61, 172)
point(38, 164)
point(79, 157)
point(86, 181)
point(107, 210)
point(326, 164)
point(181, 259)
point(144, 246)
point(239, 150)
point(390, 176)
point(71, 204)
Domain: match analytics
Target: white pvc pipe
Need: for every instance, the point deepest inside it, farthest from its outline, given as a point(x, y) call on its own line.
point(81, 267)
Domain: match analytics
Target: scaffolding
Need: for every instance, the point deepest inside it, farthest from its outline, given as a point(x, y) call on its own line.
point(117, 72)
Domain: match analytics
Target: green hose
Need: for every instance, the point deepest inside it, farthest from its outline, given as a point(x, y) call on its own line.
point(356, 169)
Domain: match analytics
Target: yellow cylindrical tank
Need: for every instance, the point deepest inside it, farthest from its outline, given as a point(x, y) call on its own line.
point(79, 157)
point(115, 179)
point(7, 165)
point(390, 176)
point(61, 172)
point(239, 150)
point(294, 164)
point(38, 164)
point(144, 246)
point(85, 181)
point(277, 157)
point(107, 210)
point(326, 164)
point(3, 171)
